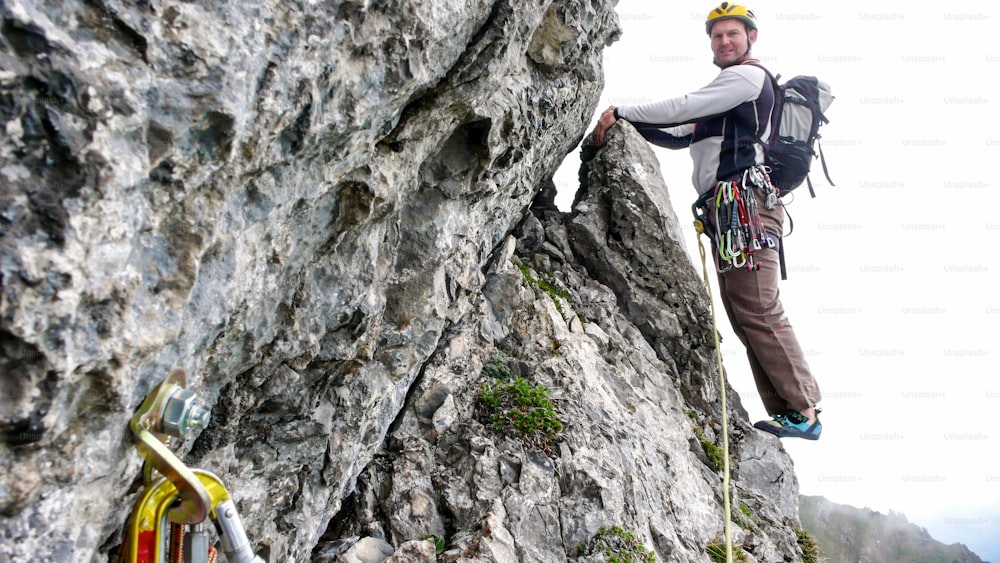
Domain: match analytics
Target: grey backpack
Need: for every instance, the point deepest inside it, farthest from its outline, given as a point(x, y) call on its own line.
point(800, 104)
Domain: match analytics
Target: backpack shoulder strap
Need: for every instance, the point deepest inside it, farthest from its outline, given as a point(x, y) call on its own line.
point(779, 100)
point(774, 79)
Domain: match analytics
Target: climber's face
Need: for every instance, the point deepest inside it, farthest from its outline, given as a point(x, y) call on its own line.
point(730, 41)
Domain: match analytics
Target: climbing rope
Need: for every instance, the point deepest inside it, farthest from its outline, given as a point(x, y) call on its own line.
point(699, 226)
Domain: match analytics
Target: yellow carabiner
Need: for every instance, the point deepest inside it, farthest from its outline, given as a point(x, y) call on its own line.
point(145, 539)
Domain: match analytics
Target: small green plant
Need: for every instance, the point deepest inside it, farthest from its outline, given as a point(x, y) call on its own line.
point(714, 453)
point(717, 551)
point(554, 291)
point(522, 408)
point(744, 518)
point(619, 545)
point(810, 551)
point(497, 368)
point(438, 543)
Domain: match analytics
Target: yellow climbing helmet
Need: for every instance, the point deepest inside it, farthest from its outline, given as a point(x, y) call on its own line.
point(727, 11)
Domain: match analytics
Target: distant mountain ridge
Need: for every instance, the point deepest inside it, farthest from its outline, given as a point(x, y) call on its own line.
point(846, 534)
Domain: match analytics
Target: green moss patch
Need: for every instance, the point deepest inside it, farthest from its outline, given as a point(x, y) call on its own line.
point(618, 545)
point(555, 292)
point(498, 368)
point(712, 452)
point(520, 408)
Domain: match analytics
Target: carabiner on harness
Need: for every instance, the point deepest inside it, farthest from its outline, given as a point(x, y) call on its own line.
point(737, 229)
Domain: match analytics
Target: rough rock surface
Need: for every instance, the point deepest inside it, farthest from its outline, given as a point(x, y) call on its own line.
point(312, 208)
point(628, 360)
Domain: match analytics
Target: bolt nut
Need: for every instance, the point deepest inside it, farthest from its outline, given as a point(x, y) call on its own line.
point(182, 412)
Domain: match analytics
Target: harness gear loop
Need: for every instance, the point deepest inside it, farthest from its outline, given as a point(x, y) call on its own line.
point(699, 226)
point(737, 229)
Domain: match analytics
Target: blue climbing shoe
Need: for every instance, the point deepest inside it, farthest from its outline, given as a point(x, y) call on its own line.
point(791, 425)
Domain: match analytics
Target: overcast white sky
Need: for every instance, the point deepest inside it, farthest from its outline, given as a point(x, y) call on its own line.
point(893, 273)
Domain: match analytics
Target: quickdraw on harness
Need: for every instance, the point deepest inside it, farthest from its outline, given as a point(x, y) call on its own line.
point(733, 214)
point(167, 523)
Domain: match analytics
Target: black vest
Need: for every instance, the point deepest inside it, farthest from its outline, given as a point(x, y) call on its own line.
point(740, 128)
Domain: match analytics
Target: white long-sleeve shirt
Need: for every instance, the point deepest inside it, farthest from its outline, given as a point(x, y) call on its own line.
point(720, 122)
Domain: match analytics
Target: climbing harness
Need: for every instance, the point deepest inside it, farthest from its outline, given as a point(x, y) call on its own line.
point(699, 226)
point(167, 522)
point(738, 231)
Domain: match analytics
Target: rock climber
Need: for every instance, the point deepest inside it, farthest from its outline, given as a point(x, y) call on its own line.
point(722, 124)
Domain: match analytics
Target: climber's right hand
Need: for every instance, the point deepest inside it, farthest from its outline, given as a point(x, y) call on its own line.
point(604, 123)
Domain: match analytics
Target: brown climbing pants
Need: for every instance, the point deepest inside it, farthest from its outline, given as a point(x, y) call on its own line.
point(751, 300)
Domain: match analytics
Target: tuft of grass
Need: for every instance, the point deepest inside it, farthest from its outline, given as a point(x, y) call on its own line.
point(717, 551)
point(524, 409)
point(810, 551)
point(618, 545)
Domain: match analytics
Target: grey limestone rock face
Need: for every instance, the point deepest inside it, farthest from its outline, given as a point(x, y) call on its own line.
point(630, 391)
point(313, 208)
